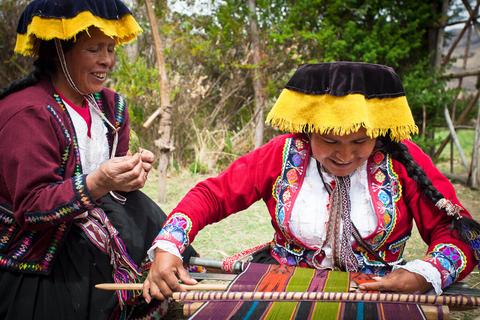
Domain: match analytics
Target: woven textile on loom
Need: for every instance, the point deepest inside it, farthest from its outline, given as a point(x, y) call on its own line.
point(279, 278)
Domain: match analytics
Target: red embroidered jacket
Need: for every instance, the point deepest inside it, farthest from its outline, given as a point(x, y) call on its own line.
point(275, 172)
point(42, 187)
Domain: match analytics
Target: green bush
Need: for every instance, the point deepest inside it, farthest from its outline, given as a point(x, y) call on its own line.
point(197, 167)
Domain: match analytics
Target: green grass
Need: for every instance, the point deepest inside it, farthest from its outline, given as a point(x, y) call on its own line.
point(466, 138)
point(239, 231)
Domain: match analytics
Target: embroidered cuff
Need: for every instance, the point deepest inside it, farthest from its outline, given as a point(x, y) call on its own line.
point(83, 201)
point(449, 260)
point(165, 246)
point(426, 270)
point(176, 231)
point(80, 188)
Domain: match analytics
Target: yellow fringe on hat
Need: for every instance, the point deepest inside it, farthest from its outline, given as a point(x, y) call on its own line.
point(298, 112)
point(122, 30)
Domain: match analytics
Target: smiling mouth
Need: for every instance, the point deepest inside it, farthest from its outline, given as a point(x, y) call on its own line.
point(342, 164)
point(100, 75)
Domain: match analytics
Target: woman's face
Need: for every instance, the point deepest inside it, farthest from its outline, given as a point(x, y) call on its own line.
point(341, 155)
point(90, 59)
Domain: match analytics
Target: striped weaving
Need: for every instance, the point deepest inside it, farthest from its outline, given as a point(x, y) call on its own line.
point(280, 278)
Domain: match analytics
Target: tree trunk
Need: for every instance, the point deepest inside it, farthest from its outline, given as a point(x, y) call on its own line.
point(164, 141)
point(258, 80)
point(440, 34)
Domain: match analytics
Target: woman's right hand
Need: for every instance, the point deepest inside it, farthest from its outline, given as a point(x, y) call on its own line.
point(120, 174)
point(164, 276)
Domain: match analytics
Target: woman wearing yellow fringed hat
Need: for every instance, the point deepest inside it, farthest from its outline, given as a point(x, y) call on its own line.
point(343, 189)
point(70, 210)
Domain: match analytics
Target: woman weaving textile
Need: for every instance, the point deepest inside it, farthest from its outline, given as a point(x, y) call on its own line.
point(342, 188)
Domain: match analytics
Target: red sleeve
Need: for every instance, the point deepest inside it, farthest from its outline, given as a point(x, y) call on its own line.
point(247, 180)
point(33, 148)
point(451, 256)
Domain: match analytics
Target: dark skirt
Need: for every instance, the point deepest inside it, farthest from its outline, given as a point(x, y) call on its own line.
point(263, 256)
point(68, 291)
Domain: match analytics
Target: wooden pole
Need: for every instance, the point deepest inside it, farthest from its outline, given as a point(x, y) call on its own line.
point(440, 35)
point(258, 80)
point(447, 57)
point(472, 14)
point(424, 120)
point(460, 82)
point(474, 174)
point(461, 74)
point(461, 118)
point(164, 141)
point(451, 301)
point(237, 267)
point(455, 138)
point(152, 117)
point(139, 286)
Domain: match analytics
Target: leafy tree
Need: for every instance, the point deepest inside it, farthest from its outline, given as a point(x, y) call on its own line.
point(296, 32)
point(13, 66)
point(209, 65)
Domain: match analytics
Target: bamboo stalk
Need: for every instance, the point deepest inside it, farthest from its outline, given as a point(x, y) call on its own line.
point(138, 286)
point(451, 301)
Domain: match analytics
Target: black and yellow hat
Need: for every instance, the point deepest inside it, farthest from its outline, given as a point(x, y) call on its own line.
point(341, 97)
point(64, 19)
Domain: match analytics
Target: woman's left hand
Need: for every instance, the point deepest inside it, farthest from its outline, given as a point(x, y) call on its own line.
point(399, 280)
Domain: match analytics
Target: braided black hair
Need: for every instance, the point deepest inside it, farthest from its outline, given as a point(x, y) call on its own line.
point(400, 152)
point(44, 67)
point(468, 229)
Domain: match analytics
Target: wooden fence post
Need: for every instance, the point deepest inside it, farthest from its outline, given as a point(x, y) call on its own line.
point(455, 138)
point(474, 175)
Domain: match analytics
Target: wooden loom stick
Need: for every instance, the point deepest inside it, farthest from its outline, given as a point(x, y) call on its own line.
point(452, 301)
point(138, 286)
point(237, 267)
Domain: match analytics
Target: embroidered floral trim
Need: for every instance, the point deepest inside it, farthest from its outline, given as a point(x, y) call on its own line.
point(283, 256)
point(120, 109)
point(76, 149)
point(8, 228)
point(290, 247)
point(80, 189)
point(12, 262)
point(83, 202)
point(287, 186)
point(61, 170)
point(369, 265)
point(6, 215)
point(398, 246)
point(370, 261)
point(449, 260)
point(8, 233)
point(176, 230)
point(386, 190)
